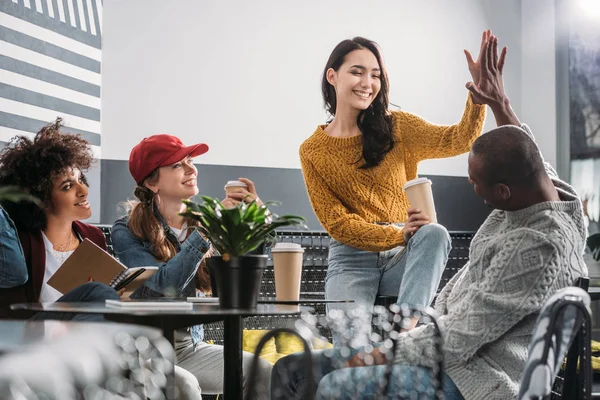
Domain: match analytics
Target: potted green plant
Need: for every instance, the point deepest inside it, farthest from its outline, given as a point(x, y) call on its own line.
point(235, 233)
point(15, 195)
point(593, 243)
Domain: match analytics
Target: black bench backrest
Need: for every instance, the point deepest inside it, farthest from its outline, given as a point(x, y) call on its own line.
point(106, 230)
point(316, 252)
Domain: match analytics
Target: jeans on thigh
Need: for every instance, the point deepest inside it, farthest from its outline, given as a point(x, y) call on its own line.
point(88, 292)
point(412, 273)
point(407, 381)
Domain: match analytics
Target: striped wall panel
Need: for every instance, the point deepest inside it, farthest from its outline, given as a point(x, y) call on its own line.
point(50, 60)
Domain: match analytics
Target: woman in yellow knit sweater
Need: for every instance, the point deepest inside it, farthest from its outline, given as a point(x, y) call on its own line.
point(355, 169)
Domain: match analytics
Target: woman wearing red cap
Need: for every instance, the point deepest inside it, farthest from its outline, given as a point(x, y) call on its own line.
point(154, 234)
point(34, 242)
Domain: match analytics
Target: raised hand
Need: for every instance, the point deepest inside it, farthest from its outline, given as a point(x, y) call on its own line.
point(489, 89)
point(475, 66)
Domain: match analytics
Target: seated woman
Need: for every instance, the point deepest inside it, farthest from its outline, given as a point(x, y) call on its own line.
point(49, 167)
point(153, 233)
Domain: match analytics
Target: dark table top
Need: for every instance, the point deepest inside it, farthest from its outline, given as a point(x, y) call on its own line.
point(309, 300)
point(198, 309)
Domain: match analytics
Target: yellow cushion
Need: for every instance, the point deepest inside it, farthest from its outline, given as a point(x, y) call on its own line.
point(595, 360)
point(250, 339)
point(279, 347)
point(287, 344)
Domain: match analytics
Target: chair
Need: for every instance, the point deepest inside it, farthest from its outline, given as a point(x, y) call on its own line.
point(354, 338)
point(571, 379)
point(106, 230)
point(564, 324)
point(307, 361)
point(92, 361)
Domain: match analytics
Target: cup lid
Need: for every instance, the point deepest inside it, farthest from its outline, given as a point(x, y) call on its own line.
point(287, 248)
point(417, 181)
point(235, 184)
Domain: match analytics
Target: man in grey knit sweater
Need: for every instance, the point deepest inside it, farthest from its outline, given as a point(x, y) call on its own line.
point(530, 246)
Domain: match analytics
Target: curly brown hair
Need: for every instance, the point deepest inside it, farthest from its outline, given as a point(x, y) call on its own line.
point(32, 165)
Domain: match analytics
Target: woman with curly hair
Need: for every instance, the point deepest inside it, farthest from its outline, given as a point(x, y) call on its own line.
point(50, 167)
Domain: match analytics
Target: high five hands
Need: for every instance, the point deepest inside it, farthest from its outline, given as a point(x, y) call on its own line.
point(487, 86)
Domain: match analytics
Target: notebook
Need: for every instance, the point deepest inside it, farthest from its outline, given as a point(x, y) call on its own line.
point(203, 299)
point(153, 304)
point(89, 260)
point(132, 281)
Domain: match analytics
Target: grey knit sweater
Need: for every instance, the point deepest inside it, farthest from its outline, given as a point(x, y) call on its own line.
point(488, 310)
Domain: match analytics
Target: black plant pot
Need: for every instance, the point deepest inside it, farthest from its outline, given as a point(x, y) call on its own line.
point(237, 280)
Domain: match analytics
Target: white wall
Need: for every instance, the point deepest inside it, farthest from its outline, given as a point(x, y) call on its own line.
point(244, 76)
point(538, 73)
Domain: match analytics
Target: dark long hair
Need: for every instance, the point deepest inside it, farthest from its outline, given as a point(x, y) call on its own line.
point(375, 123)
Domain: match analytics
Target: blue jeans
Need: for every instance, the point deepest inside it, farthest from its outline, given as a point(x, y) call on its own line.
point(88, 292)
point(289, 380)
point(411, 273)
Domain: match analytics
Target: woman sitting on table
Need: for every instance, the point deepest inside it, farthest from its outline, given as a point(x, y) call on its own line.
point(50, 167)
point(154, 234)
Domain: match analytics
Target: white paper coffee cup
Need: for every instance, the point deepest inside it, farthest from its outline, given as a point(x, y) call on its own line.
point(287, 265)
point(234, 184)
point(419, 194)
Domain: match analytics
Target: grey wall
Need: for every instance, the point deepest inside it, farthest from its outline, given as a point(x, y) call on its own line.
point(458, 207)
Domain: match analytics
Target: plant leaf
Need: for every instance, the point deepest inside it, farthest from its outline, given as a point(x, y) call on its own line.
point(240, 229)
point(16, 195)
point(593, 242)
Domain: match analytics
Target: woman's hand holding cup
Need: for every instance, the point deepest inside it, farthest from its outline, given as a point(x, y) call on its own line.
point(416, 219)
point(241, 190)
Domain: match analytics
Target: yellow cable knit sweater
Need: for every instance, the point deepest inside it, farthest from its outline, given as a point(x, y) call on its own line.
point(349, 201)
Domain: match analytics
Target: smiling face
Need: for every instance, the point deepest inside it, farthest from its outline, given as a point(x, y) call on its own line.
point(176, 181)
point(68, 198)
point(357, 81)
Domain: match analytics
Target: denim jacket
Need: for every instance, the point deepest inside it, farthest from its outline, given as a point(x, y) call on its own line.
point(174, 278)
point(13, 268)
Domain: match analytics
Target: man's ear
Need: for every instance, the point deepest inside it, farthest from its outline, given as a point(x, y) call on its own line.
point(504, 192)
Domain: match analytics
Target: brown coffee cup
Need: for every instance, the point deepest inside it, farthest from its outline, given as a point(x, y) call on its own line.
point(419, 194)
point(287, 265)
point(231, 185)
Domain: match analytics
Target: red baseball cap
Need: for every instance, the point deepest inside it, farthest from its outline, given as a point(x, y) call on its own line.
point(157, 151)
